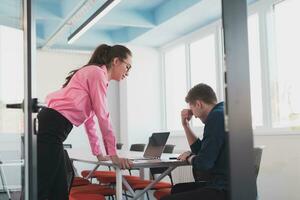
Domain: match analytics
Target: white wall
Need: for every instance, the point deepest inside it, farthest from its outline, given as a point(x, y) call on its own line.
point(11, 65)
point(279, 176)
point(140, 97)
point(11, 91)
point(11, 78)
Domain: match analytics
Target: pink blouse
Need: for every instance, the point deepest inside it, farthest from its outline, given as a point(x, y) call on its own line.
point(82, 99)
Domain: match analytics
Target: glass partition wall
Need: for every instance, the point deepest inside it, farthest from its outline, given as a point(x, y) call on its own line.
point(12, 66)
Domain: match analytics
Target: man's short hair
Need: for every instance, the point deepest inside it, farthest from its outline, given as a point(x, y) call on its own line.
point(201, 92)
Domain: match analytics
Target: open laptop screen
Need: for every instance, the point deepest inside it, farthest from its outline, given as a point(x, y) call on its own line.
point(156, 144)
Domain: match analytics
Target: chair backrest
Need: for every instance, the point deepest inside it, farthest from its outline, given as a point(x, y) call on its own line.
point(137, 147)
point(257, 158)
point(69, 170)
point(119, 146)
point(169, 148)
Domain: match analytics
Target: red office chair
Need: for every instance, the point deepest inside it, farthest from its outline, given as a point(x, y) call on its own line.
point(99, 191)
point(94, 188)
point(79, 181)
point(158, 194)
point(86, 196)
point(98, 173)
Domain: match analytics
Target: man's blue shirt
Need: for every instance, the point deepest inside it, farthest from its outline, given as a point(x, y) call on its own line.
point(212, 151)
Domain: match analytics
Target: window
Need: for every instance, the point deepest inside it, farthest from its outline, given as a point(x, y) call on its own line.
point(175, 82)
point(255, 70)
point(203, 64)
point(203, 61)
point(273, 38)
point(286, 84)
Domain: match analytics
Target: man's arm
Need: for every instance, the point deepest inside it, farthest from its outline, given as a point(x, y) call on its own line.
point(186, 116)
point(212, 143)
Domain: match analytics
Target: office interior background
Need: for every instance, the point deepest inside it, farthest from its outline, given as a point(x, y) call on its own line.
point(176, 44)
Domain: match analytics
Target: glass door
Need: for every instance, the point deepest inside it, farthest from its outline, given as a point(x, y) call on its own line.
point(12, 65)
point(17, 139)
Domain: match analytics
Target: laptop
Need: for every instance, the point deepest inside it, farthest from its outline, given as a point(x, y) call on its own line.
point(155, 146)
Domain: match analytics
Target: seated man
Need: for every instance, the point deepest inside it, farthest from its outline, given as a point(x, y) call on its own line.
point(209, 155)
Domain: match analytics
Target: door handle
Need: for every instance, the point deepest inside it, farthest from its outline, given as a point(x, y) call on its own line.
point(15, 105)
point(34, 103)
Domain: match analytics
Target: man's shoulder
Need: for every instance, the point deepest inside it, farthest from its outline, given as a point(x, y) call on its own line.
point(217, 112)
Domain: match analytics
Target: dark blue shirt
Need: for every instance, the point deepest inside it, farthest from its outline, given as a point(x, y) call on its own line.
point(212, 151)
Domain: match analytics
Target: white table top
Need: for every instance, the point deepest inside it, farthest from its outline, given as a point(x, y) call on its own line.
point(80, 156)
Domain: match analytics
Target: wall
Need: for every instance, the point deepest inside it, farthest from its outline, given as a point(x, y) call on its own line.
point(279, 176)
point(11, 91)
point(140, 97)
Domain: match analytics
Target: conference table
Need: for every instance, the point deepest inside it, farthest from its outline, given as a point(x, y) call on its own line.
point(164, 161)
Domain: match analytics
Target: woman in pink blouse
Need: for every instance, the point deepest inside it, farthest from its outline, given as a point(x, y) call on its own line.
point(82, 97)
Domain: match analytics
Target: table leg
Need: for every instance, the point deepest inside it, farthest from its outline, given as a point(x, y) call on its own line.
point(91, 172)
point(118, 183)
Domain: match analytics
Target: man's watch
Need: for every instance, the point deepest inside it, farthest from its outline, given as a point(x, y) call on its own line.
point(191, 154)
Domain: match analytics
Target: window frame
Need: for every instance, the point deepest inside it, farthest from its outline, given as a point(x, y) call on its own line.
point(264, 10)
point(212, 28)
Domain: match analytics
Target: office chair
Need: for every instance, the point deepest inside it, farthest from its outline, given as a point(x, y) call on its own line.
point(257, 158)
point(119, 146)
point(76, 181)
point(103, 190)
point(81, 196)
point(87, 191)
point(137, 147)
point(69, 169)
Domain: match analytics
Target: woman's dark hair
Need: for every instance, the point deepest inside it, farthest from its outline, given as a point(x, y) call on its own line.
point(201, 92)
point(103, 55)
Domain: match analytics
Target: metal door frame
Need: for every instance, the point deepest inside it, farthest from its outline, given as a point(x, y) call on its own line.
point(30, 139)
point(238, 102)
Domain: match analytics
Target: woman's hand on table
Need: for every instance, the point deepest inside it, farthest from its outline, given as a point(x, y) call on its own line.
point(103, 158)
point(123, 163)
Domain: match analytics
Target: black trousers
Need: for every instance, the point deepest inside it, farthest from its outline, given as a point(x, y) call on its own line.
point(53, 129)
point(195, 190)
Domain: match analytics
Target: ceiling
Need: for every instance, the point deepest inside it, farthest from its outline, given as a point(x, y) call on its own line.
point(139, 22)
